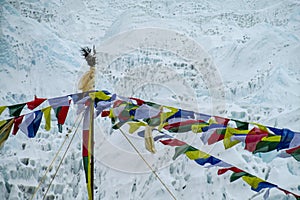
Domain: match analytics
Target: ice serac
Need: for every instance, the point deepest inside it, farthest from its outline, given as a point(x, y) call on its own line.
point(254, 44)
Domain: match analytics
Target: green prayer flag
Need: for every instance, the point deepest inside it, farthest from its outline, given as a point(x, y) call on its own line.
point(118, 125)
point(241, 125)
point(183, 149)
point(237, 175)
point(153, 121)
point(265, 146)
point(221, 131)
point(15, 110)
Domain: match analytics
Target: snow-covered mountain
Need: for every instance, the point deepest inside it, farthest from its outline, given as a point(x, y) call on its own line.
point(253, 45)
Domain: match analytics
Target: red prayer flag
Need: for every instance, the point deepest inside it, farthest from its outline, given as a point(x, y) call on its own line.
point(17, 122)
point(183, 123)
point(105, 113)
point(222, 120)
point(85, 142)
point(215, 137)
point(35, 103)
point(254, 137)
point(138, 101)
point(234, 169)
point(62, 114)
point(117, 103)
point(172, 142)
point(290, 151)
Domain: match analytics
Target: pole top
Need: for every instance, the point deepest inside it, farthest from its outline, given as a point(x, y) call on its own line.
point(89, 57)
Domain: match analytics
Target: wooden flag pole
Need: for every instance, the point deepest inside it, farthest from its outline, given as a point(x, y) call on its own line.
point(92, 145)
point(87, 83)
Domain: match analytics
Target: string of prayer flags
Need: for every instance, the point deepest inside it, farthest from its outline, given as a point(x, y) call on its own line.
point(15, 110)
point(193, 153)
point(256, 137)
point(137, 113)
point(29, 123)
point(206, 160)
point(257, 184)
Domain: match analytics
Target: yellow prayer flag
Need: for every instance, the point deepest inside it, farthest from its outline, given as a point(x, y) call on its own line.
point(166, 115)
point(2, 108)
point(111, 113)
point(193, 155)
point(2, 122)
point(149, 141)
point(275, 138)
point(99, 95)
point(252, 181)
point(47, 116)
point(5, 130)
point(229, 133)
point(133, 126)
point(197, 128)
point(212, 120)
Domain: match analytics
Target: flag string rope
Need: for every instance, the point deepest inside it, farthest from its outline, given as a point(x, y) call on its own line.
point(149, 166)
point(64, 155)
point(55, 157)
point(284, 190)
point(49, 167)
point(103, 96)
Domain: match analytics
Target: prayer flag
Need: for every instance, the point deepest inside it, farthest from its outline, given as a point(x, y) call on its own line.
point(17, 122)
point(149, 141)
point(15, 110)
point(86, 150)
point(35, 103)
point(59, 102)
point(2, 108)
point(253, 138)
point(5, 128)
point(47, 116)
point(61, 115)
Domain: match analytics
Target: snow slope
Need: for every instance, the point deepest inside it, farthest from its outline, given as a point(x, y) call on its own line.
point(253, 44)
